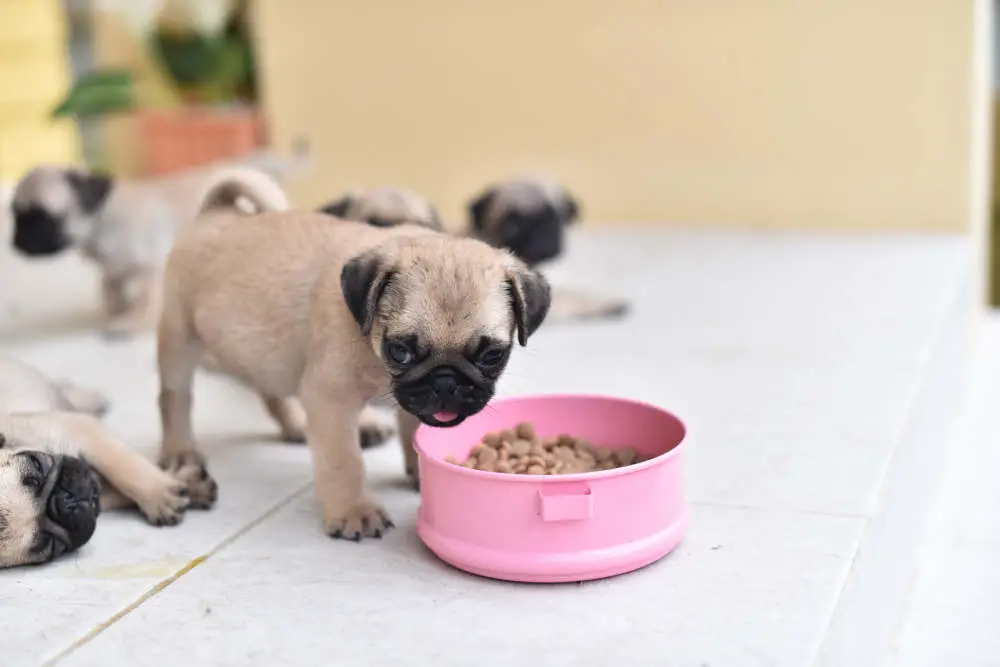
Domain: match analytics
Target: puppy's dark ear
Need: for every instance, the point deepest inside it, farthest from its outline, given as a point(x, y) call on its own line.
point(91, 189)
point(363, 281)
point(338, 208)
point(571, 210)
point(530, 299)
point(477, 209)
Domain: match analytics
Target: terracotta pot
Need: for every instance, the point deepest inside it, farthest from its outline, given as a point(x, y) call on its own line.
point(176, 139)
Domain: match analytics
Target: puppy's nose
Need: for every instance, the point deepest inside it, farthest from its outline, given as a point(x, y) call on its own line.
point(445, 384)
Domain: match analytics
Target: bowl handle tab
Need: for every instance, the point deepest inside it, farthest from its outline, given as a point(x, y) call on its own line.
point(566, 503)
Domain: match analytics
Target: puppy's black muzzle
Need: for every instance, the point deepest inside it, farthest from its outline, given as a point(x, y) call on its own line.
point(38, 233)
point(72, 503)
point(534, 244)
point(443, 390)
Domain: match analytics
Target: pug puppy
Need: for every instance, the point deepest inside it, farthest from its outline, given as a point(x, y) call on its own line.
point(125, 226)
point(337, 313)
point(385, 207)
point(528, 217)
point(60, 467)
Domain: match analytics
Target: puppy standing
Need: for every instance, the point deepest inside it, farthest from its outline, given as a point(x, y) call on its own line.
point(125, 226)
point(336, 313)
point(55, 457)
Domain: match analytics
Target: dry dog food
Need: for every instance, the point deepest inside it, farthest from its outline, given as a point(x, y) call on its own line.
point(521, 451)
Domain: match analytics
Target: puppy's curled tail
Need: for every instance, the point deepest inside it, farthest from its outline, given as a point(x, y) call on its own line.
point(244, 188)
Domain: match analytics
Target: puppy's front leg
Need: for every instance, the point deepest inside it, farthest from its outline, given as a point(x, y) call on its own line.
point(140, 297)
point(332, 420)
point(574, 306)
point(407, 425)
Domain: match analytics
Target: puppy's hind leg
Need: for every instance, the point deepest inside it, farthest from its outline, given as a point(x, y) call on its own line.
point(141, 297)
point(79, 399)
point(289, 414)
point(178, 354)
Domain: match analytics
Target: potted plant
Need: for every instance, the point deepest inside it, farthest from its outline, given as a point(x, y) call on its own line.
point(197, 103)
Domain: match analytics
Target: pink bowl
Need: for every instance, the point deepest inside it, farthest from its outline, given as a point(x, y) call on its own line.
point(555, 528)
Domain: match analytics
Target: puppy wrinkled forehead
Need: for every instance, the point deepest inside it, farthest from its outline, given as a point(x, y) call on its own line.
point(46, 187)
point(455, 291)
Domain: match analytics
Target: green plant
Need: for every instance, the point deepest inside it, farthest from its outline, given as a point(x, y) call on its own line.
point(202, 69)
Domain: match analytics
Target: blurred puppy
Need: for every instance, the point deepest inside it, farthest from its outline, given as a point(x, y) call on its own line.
point(59, 467)
point(337, 312)
point(528, 217)
point(385, 207)
point(125, 226)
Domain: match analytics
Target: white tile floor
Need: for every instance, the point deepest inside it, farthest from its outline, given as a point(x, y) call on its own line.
point(795, 359)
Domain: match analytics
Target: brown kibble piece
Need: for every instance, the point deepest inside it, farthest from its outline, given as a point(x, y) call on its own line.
point(536, 470)
point(564, 453)
point(479, 449)
point(526, 430)
point(488, 455)
point(603, 453)
point(520, 447)
point(451, 459)
point(486, 466)
point(503, 466)
point(491, 439)
point(626, 456)
point(565, 439)
point(470, 462)
point(508, 435)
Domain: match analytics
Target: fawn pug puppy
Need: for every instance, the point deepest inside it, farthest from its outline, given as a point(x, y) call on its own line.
point(385, 207)
point(338, 312)
point(60, 466)
point(125, 226)
point(529, 217)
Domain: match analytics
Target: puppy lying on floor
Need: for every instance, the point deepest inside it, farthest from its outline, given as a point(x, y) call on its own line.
point(125, 226)
point(60, 466)
point(299, 305)
point(529, 217)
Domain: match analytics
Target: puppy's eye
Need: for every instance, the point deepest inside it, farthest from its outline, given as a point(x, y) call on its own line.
point(491, 357)
point(399, 353)
point(32, 481)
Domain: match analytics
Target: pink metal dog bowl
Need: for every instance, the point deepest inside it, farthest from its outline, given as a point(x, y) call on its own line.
point(555, 528)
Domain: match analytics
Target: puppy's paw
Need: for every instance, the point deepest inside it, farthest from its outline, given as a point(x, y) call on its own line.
point(363, 519)
point(615, 308)
point(188, 467)
point(375, 433)
point(165, 503)
point(413, 475)
point(120, 329)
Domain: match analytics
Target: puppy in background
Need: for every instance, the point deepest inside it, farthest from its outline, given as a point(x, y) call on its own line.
point(300, 305)
point(385, 207)
point(125, 226)
point(60, 466)
point(528, 217)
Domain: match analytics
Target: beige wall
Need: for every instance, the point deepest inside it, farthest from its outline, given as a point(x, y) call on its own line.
point(766, 113)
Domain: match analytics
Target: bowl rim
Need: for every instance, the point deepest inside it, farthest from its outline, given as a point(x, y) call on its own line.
point(659, 459)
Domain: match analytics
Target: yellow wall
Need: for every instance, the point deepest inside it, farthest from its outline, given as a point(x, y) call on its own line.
point(35, 73)
point(765, 113)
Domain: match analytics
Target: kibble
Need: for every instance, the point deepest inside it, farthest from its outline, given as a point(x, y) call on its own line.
point(521, 451)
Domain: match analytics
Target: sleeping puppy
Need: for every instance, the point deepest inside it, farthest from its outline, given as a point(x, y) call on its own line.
point(337, 313)
point(385, 207)
point(125, 226)
point(59, 467)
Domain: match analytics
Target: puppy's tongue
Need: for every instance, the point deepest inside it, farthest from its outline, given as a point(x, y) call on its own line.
point(445, 417)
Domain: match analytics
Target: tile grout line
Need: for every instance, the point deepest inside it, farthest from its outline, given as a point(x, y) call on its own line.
point(926, 361)
point(165, 583)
